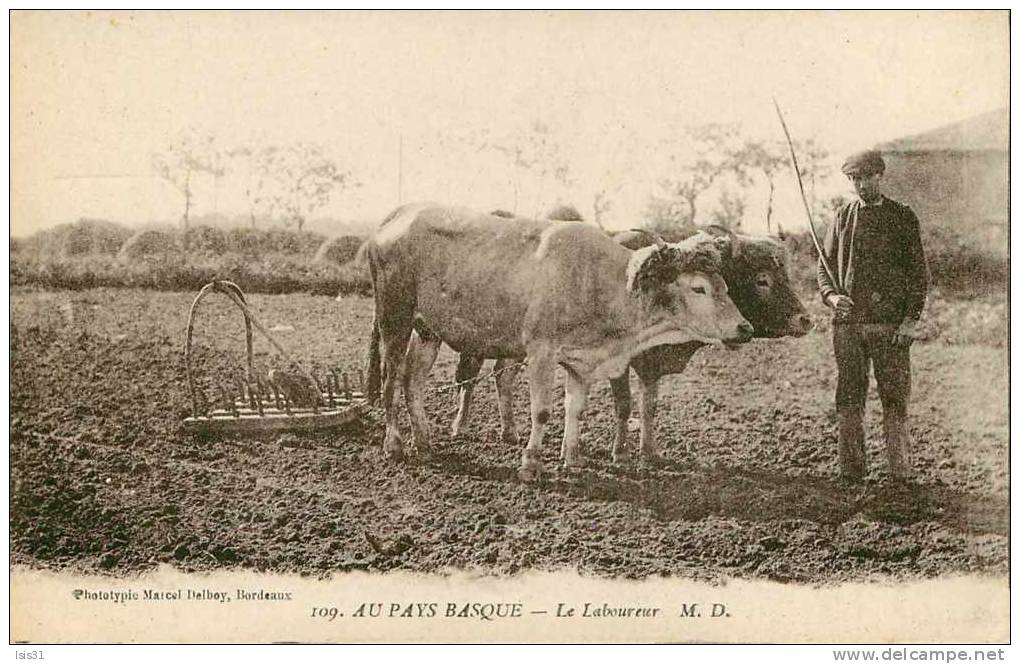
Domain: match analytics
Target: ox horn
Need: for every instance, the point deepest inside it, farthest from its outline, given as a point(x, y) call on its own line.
point(723, 231)
point(655, 237)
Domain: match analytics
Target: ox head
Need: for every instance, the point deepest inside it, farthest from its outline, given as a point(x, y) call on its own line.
point(684, 279)
point(756, 273)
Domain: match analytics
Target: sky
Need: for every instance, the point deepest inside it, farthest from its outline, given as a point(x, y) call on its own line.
point(94, 95)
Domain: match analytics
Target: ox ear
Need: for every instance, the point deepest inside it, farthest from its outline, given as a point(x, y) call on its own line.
point(726, 240)
point(651, 267)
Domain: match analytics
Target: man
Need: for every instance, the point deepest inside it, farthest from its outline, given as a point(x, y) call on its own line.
point(876, 290)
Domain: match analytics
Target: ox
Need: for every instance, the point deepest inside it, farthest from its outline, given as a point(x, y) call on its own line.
point(754, 270)
point(554, 294)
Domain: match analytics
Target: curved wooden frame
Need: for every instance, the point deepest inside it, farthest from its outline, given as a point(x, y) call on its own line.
point(331, 412)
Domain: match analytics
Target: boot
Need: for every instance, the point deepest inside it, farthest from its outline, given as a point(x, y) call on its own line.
point(897, 444)
point(852, 463)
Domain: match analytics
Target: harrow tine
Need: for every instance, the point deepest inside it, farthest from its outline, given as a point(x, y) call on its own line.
point(203, 399)
point(227, 398)
point(239, 382)
point(361, 380)
point(341, 393)
point(251, 395)
point(282, 402)
point(236, 401)
point(258, 396)
point(329, 389)
point(347, 388)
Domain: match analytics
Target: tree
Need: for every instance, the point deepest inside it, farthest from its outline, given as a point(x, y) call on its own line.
point(695, 157)
point(765, 158)
point(664, 214)
point(730, 212)
point(602, 199)
point(301, 179)
point(534, 150)
point(813, 160)
point(183, 161)
point(252, 167)
point(601, 205)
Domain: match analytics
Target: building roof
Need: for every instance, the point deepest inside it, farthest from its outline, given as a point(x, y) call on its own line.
point(988, 131)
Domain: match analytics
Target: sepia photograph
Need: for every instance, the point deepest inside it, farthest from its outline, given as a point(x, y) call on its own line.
point(510, 327)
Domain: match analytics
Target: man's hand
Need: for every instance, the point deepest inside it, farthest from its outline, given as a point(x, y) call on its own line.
point(841, 304)
point(905, 333)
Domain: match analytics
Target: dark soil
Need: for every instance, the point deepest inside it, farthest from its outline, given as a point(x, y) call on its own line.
point(103, 479)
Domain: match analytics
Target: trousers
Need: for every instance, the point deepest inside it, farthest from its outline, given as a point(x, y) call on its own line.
point(859, 346)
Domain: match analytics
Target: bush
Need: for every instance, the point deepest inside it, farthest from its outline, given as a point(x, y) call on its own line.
point(960, 268)
point(282, 241)
point(203, 240)
point(564, 213)
point(149, 243)
point(338, 250)
point(273, 273)
point(84, 237)
point(93, 236)
point(259, 242)
point(245, 241)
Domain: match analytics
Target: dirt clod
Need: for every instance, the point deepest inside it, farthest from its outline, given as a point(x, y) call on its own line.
point(103, 480)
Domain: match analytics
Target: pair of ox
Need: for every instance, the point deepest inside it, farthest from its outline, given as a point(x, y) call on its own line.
point(754, 269)
point(555, 294)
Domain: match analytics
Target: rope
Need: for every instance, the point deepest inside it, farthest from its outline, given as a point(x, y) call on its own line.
point(469, 381)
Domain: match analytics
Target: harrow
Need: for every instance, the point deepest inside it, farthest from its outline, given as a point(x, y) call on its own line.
point(284, 400)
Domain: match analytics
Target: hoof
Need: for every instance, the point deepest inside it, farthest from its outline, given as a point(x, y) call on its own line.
point(622, 456)
point(508, 438)
point(653, 457)
point(574, 462)
point(421, 441)
point(393, 444)
point(902, 476)
point(531, 469)
point(851, 478)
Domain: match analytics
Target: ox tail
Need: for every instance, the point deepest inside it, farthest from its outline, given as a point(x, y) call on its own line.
point(373, 372)
point(361, 258)
point(373, 385)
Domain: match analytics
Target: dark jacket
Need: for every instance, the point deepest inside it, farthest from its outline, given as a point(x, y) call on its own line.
point(884, 272)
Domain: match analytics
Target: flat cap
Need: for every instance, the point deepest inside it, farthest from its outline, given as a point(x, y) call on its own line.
point(867, 162)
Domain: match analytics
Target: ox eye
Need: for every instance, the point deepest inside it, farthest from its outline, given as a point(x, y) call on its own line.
point(700, 290)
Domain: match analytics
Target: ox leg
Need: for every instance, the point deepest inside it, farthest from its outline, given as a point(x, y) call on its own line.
point(467, 369)
point(393, 352)
point(394, 318)
point(649, 396)
point(506, 382)
point(421, 355)
point(621, 399)
point(574, 403)
point(541, 375)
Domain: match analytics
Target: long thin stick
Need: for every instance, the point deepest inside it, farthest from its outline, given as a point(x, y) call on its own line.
point(803, 197)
